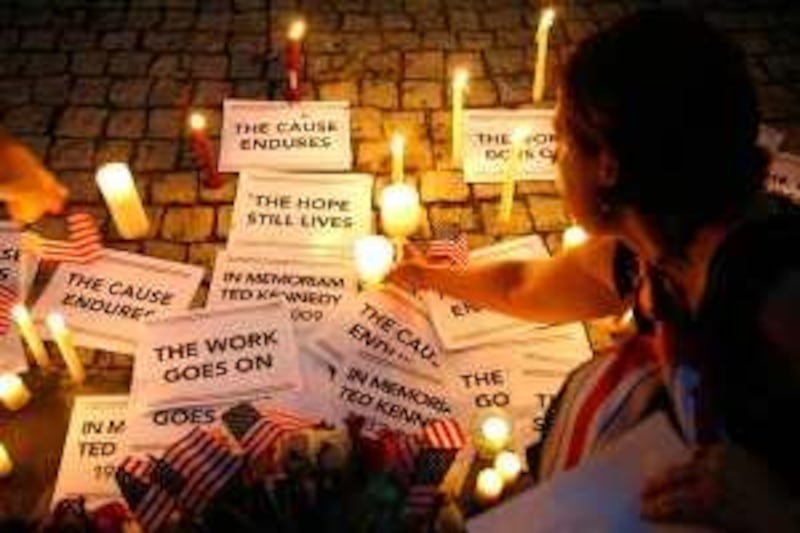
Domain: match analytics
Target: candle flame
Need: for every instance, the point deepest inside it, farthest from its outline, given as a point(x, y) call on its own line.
point(197, 121)
point(55, 321)
point(495, 429)
point(19, 312)
point(507, 465)
point(574, 236)
point(489, 483)
point(547, 19)
point(398, 144)
point(297, 30)
point(519, 134)
point(460, 78)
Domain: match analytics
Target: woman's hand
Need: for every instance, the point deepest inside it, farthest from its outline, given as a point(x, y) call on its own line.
point(721, 486)
point(28, 189)
point(416, 272)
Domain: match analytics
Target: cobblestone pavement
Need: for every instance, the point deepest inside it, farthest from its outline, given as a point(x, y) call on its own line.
point(89, 81)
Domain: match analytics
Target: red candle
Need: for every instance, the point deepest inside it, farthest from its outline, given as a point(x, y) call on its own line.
point(204, 151)
point(296, 32)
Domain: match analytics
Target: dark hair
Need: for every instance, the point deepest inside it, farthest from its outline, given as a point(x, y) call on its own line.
point(672, 100)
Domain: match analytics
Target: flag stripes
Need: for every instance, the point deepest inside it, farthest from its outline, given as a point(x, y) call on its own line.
point(84, 243)
point(9, 297)
point(445, 434)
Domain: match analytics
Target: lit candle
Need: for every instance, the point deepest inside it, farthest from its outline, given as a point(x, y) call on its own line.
point(6, 465)
point(460, 80)
point(63, 338)
point(119, 191)
point(25, 325)
point(508, 465)
point(373, 255)
point(573, 236)
point(204, 150)
point(296, 32)
point(512, 171)
point(542, 37)
point(13, 392)
point(398, 147)
point(400, 210)
point(488, 486)
point(495, 434)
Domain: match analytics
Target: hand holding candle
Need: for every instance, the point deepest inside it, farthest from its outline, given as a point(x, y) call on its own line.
point(63, 339)
point(373, 255)
point(460, 80)
point(119, 191)
point(13, 392)
point(542, 37)
point(296, 32)
point(204, 150)
point(26, 328)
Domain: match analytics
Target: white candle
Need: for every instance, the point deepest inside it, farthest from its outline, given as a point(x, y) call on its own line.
point(397, 147)
point(119, 191)
point(508, 465)
point(373, 255)
point(13, 392)
point(6, 465)
point(542, 37)
point(400, 210)
point(63, 338)
point(460, 80)
point(573, 236)
point(512, 172)
point(488, 486)
point(25, 325)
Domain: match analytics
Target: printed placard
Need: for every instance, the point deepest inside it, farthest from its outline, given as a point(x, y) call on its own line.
point(215, 355)
point(388, 360)
point(784, 176)
point(461, 325)
point(106, 301)
point(285, 135)
point(311, 289)
point(488, 144)
point(306, 214)
point(17, 270)
point(94, 446)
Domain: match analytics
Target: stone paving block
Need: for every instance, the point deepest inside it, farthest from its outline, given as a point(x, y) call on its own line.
point(471, 61)
point(156, 155)
point(165, 92)
point(371, 156)
point(430, 21)
point(224, 216)
point(207, 42)
point(463, 19)
point(126, 124)
point(188, 224)
point(407, 40)
point(38, 40)
point(355, 22)
point(204, 254)
point(422, 95)
point(129, 93)
point(77, 39)
point(443, 186)
point(119, 40)
point(88, 63)
point(462, 217)
point(82, 186)
point(165, 123)
point(38, 144)
point(174, 188)
point(519, 223)
point(51, 90)
point(45, 63)
point(27, 119)
point(440, 40)
point(503, 61)
point(159, 41)
point(345, 90)
point(170, 251)
point(89, 91)
point(366, 123)
point(424, 65)
point(113, 151)
point(71, 154)
point(548, 213)
point(411, 124)
point(224, 194)
point(246, 65)
point(475, 40)
point(209, 66)
point(381, 94)
point(82, 122)
point(481, 93)
point(396, 21)
point(514, 90)
point(130, 64)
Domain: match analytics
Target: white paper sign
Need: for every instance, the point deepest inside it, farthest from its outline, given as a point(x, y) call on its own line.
point(488, 144)
point(784, 176)
point(388, 360)
point(17, 270)
point(311, 289)
point(601, 495)
point(106, 301)
point(215, 355)
point(461, 325)
point(285, 136)
point(93, 448)
point(307, 214)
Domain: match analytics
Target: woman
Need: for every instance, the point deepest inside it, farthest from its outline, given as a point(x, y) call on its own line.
point(656, 125)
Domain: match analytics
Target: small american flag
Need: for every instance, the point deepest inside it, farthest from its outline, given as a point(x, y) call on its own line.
point(444, 434)
point(151, 505)
point(262, 439)
point(9, 297)
point(84, 243)
point(432, 466)
point(240, 418)
point(449, 244)
point(422, 501)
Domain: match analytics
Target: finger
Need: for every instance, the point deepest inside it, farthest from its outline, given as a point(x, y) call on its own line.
point(671, 478)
